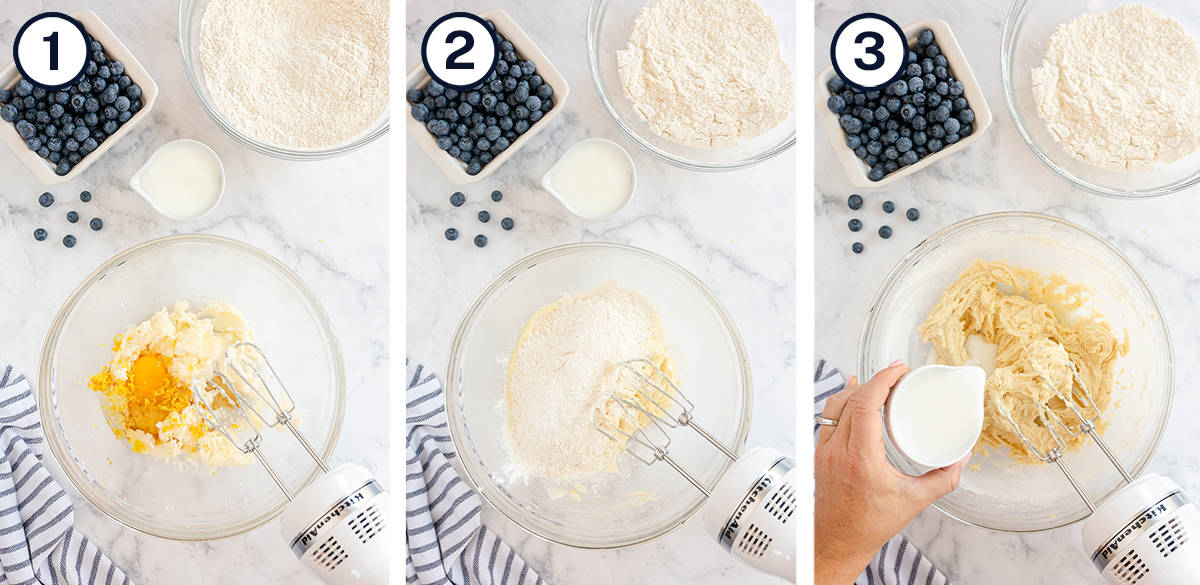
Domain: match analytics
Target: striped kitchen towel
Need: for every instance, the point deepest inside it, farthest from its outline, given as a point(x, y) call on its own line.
point(38, 541)
point(898, 562)
point(447, 541)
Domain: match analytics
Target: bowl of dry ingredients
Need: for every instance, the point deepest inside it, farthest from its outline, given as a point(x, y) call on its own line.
point(1107, 93)
point(300, 80)
point(703, 85)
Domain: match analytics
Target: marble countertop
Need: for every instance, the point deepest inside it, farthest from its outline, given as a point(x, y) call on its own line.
point(998, 173)
point(725, 228)
point(326, 220)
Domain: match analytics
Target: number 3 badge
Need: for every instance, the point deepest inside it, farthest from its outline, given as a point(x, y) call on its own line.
point(869, 51)
point(459, 51)
point(51, 50)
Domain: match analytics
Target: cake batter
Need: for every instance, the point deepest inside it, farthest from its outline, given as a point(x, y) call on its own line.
point(564, 374)
point(1041, 329)
point(148, 383)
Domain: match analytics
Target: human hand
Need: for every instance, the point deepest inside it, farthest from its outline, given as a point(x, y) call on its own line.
point(862, 501)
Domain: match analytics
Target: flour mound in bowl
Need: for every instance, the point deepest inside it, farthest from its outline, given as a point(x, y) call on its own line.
point(300, 74)
point(564, 378)
point(706, 73)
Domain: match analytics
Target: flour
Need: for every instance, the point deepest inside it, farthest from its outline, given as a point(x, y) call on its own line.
point(560, 375)
point(1120, 90)
point(299, 74)
point(706, 73)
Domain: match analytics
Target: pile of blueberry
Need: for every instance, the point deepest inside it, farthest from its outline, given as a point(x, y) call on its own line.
point(855, 203)
point(458, 198)
point(917, 115)
point(66, 125)
point(476, 125)
point(47, 199)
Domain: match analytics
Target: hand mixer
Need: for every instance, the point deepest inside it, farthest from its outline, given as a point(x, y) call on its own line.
point(335, 526)
point(750, 509)
point(1142, 533)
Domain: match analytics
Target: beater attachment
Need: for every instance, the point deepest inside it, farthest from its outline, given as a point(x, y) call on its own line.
point(1085, 411)
point(647, 394)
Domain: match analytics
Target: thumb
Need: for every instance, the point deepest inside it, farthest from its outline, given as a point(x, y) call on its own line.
point(939, 482)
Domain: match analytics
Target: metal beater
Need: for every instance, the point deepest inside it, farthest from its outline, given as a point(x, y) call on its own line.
point(335, 525)
point(750, 508)
point(1051, 422)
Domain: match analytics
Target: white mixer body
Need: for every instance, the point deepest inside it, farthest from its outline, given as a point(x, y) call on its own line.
point(1146, 534)
point(751, 508)
point(337, 527)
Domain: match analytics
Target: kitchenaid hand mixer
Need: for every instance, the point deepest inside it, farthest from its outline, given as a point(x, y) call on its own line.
point(750, 509)
point(337, 525)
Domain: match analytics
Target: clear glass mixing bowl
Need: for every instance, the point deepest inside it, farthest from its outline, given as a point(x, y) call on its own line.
point(1001, 494)
point(1027, 30)
point(191, 13)
point(641, 502)
point(608, 26)
point(172, 500)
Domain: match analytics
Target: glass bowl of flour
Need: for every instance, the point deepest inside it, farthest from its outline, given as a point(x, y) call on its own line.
point(636, 502)
point(304, 80)
point(742, 135)
point(1072, 123)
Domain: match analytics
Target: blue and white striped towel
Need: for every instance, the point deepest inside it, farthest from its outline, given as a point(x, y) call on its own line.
point(898, 562)
point(38, 541)
point(447, 541)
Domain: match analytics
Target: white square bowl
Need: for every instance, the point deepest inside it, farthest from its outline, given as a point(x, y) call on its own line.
point(855, 168)
point(454, 168)
point(114, 48)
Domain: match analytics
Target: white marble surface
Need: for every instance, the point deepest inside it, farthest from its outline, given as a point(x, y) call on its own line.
point(732, 230)
point(327, 220)
point(999, 173)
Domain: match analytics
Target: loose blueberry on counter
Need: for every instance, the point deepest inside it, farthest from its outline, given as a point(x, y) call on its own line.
point(889, 207)
point(73, 216)
point(451, 234)
point(96, 224)
point(85, 196)
point(913, 214)
point(855, 202)
point(507, 224)
point(857, 248)
point(480, 241)
point(40, 234)
point(457, 199)
point(855, 225)
point(497, 195)
point(484, 217)
point(69, 241)
point(885, 232)
point(46, 199)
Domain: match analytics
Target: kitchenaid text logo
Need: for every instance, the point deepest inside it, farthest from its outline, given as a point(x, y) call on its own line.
point(347, 504)
point(756, 491)
point(1132, 528)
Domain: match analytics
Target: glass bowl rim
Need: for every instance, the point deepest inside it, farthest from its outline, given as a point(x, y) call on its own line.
point(919, 251)
point(454, 407)
point(593, 24)
point(1007, 51)
point(47, 399)
point(190, 66)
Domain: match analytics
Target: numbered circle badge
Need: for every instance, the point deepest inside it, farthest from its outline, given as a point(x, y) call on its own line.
point(459, 50)
point(51, 50)
point(869, 51)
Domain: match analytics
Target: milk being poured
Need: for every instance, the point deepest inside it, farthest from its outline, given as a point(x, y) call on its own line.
point(935, 413)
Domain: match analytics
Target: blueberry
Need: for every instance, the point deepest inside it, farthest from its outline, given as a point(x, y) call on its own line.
point(885, 232)
point(898, 87)
point(99, 85)
point(534, 117)
point(497, 195)
point(465, 143)
point(474, 167)
point(88, 145)
point(520, 112)
point(496, 85)
point(23, 88)
point(451, 234)
point(521, 126)
point(502, 109)
point(966, 116)
point(966, 130)
point(857, 248)
point(480, 241)
point(484, 217)
point(952, 126)
point(133, 91)
point(501, 144)
point(91, 105)
point(485, 158)
point(932, 51)
point(528, 68)
point(72, 216)
point(34, 143)
point(121, 104)
point(544, 90)
point(40, 234)
point(913, 214)
point(85, 196)
point(935, 145)
point(941, 61)
point(942, 113)
point(909, 158)
point(414, 95)
point(836, 104)
point(876, 173)
point(924, 38)
point(25, 129)
point(851, 124)
point(915, 85)
point(435, 89)
point(836, 84)
point(855, 224)
point(483, 144)
point(942, 88)
point(853, 142)
point(904, 144)
point(69, 241)
point(46, 199)
point(891, 153)
point(507, 224)
point(489, 101)
point(91, 119)
point(457, 199)
point(5, 95)
point(9, 113)
point(952, 138)
point(908, 112)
